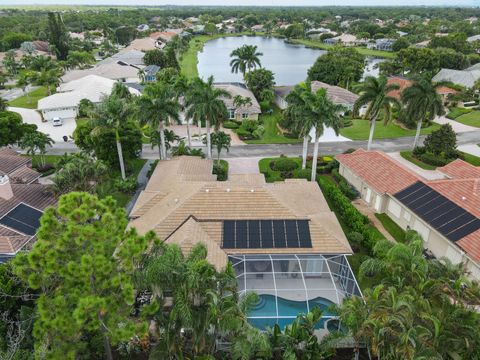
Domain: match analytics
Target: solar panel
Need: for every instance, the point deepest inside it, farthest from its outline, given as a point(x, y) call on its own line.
point(464, 231)
point(279, 238)
point(23, 219)
point(266, 234)
point(443, 215)
point(292, 233)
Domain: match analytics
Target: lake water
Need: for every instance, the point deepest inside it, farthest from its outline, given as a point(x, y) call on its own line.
point(289, 62)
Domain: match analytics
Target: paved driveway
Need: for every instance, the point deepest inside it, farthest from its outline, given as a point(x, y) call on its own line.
point(31, 116)
point(458, 127)
point(243, 165)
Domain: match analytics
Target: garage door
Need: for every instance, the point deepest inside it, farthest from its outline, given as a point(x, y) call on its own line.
point(63, 114)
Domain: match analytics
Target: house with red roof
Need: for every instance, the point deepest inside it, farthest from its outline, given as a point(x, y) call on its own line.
point(445, 212)
point(403, 83)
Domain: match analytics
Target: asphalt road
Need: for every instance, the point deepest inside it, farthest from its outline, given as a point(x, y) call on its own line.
point(331, 148)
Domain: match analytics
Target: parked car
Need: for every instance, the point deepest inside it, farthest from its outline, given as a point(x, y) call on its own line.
point(57, 121)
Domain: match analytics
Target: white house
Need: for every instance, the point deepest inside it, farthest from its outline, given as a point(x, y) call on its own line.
point(64, 104)
point(445, 212)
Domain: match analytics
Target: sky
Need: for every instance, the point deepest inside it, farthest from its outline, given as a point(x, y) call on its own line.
point(455, 3)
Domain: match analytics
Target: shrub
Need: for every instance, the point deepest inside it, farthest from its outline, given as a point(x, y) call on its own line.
point(286, 175)
point(258, 132)
point(432, 159)
point(419, 151)
point(441, 141)
point(303, 174)
point(284, 164)
point(230, 125)
point(220, 168)
point(346, 123)
point(244, 134)
point(355, 239)
point(126, 186)
point(265, 106)
point(349, 151)
point(347, 189)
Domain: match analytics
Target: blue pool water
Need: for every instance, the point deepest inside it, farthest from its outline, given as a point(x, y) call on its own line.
point(264, 314)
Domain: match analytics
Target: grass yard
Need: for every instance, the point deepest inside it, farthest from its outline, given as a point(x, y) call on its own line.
point(396, 231)
point(361, 129)
point(472, 118)
point(457, 112)
point(472, 159)
point(272, 134)
point(30, 100)
point(362, 50)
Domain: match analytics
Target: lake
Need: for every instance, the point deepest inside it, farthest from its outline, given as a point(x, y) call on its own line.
point(289, 62)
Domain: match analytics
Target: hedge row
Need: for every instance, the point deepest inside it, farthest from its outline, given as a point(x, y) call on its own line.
point(348, 214)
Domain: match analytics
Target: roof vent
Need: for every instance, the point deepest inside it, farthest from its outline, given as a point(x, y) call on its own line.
point(207, 190)
point(464, 198)
point(251, 190)
point(176, 200)
point(228, 189)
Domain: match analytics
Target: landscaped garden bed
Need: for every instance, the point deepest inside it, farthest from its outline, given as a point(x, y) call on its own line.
point(279, 169)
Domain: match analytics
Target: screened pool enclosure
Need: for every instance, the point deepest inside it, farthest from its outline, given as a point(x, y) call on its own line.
point(288, 285)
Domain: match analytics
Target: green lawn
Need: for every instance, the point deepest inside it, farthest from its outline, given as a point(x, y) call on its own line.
point(30, 100)
point(362, 50)
point(471, 119)
point(472, 159)
point(361, 129)
point(396, 231)
point(272, 134)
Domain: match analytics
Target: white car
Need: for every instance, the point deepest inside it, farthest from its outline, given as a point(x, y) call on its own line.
point(57, 121)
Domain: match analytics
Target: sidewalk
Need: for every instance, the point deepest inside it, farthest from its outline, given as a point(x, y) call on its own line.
point(456, 126)
point(362, 206)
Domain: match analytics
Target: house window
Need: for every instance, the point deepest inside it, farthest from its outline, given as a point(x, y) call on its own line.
point(231, 113)
point(244, 116)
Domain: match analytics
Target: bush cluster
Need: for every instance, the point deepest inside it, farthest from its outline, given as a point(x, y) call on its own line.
point(250, 130)
point(347, 189)
point(231, 125)
point(348, 214)
point(221, 170)
point(128, 185)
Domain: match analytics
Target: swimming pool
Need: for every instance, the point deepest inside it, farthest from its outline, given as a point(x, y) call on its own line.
point(264, 314)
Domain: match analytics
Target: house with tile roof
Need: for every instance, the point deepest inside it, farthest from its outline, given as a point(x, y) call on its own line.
point(445, 212)
point(249, 111)
point(336, 94)
point(279, 237)
point(22, 201)
point(403, 83)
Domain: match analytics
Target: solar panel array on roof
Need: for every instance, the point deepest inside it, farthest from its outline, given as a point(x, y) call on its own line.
point(444, 215)
point(23, 219)
point(266, 234)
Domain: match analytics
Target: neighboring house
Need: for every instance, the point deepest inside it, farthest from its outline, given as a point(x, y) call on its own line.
point(344, 39)
point(282, 239)
point(161, 38)
point(257, 28)
point(21, 204)
point(250, 111)
point(465, 78)
point(422, 44)
point(143, 27)
point(444, 212)
point(130, 57)
point(17, 168)
point(114, 71)
point(336, 94)
point(150, 73)
point(403, 83)
point(142, 44)
point(64, 104)
point(382, 44)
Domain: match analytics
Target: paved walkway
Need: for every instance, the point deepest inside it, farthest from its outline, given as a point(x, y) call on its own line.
point(142, 181)
point(243, 165)
point(363, 207)
point(473, 149)
point(458, 127)
point(427, 174)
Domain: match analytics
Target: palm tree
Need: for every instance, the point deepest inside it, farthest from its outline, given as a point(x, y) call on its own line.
point(156, 107)
point(298, 112)
point(324, 113)
point(141, 75)
point(35, 141)
point(49, 78)
point(3, 104)
point(245, 58)
point(221, 140)
point(111, 113)
point(204, 102)
point(180, 87)
point(422, 103)
point(375, 94)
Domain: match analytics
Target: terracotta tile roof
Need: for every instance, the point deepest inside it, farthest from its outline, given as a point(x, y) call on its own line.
point(445, 90)
point(471, 245)
point(460, 169)
point(402, 82)
point(463, 192)
point(34, 195)
point(180, 208)
point(23, 175)
point(380, 171)
point(10, 161)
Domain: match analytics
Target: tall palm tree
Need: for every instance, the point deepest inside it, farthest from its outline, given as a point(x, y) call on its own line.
point(204, 102)
point(324, 113)
point(180, 87)
point(375, 94)
point(245, 58)
point(422, 103)
point(111, 113)
point(156, 107)
point(299, 113)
